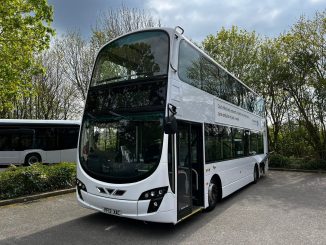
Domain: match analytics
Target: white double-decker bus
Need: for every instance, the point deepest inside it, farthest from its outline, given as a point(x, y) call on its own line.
point(166, 131)
point(25, 141)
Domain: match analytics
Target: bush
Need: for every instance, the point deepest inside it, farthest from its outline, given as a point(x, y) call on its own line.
point(314, 164)
point(280, 161)
point(20, 181)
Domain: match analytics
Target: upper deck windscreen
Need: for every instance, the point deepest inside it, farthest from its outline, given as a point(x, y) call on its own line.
point(135, 56)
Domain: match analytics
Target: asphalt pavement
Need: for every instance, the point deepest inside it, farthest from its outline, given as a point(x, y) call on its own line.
point(282, 208)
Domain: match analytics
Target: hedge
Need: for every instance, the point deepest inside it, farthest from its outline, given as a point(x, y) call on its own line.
point(21, 181)
point(280, 161)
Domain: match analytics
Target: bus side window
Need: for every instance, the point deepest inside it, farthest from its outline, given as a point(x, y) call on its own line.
point(69, 138)
point(15, 142)
point(26, 141)
point(246, 136)
point(4, 142)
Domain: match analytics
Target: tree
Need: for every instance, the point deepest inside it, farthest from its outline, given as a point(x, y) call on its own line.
point(236, 50)
point(78, 58)
point(270, 76)
point(54, 96)
point(24, 31)
point(79, 55)
point(305, 49)
point(117, 21)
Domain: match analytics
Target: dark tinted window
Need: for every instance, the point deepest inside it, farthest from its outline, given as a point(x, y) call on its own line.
point(260, 144)
point(121, 150)
point(4, 141)
point(238, 142)
point(223, 143)
point(132, 97)
point(46, 139)
point(197, 70)
point(16, 139)
point(68, 137)
point(135, 56)
point(189, 65)
point(253, 143)
point(213, 148)
point(211, 80)
point(227, 143)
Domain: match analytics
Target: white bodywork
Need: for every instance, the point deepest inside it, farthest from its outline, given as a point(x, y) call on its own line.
point(50, 156)
point(192, 105)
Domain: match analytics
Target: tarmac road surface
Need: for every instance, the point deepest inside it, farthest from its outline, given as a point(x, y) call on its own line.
point(282, 208)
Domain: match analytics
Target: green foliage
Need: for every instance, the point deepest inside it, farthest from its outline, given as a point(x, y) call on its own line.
point(304, 46)
point(20, 181)
point(305, 163)
point(24, 31)
point(236, 50)
point(289, 72)
point(292, 141)
point(278, 161)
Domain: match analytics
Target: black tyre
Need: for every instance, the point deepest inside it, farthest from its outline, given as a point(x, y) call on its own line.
point(31, 159)
point(213, 195)
point(256, 175)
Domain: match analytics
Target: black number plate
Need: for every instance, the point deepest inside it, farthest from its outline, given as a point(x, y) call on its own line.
point(111, 211)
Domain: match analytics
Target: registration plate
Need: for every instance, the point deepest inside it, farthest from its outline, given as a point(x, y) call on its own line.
point(111, 211)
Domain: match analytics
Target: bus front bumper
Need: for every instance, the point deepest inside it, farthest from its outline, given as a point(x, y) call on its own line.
point(131, 209)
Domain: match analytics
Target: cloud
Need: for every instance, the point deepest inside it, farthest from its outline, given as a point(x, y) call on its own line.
point(202, 17)
point(317, 1)
point(198, 17)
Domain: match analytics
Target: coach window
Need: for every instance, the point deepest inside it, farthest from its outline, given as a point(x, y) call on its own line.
point(223, 76)
point(253, 143)
point(238, 146)
point(251, 100)
point(260, 143)
point(4, 141)
point(226, 137)
point(212, 143)
point(189, 67)
point(211, 82)
point(246, 142)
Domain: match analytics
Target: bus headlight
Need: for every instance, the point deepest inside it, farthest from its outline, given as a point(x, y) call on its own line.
point(156, 196)
point(154, 205)
point(153, 193)
point(80, 186)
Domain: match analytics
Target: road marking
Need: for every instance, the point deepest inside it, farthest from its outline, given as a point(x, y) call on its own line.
point(109, 227)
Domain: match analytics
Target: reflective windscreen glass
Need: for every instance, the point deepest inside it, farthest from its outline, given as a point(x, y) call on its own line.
point(121, 150)
point(138, 55)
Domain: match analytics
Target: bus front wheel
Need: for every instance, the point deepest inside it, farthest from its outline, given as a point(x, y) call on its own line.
point(30, 159)
point(213, 195)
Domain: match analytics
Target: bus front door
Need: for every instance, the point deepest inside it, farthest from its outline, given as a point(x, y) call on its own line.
point(189, 168)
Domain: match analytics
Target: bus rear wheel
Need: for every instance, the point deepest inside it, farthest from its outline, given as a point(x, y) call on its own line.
point(31, 159)
point(256, 175)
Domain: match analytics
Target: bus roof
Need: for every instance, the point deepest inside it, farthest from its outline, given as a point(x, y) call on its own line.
point(35, 121)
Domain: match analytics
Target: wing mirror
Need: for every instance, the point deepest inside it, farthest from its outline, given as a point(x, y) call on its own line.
point(170, 122)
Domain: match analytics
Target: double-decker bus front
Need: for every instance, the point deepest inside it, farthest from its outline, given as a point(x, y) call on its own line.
point(122, 168)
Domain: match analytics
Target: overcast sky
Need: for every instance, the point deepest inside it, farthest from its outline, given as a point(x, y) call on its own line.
point(198, 17)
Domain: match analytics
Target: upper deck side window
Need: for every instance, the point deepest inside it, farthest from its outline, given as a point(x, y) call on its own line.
point(195, 69)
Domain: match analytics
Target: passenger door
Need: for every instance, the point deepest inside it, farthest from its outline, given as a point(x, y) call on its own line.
point(189, 167)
